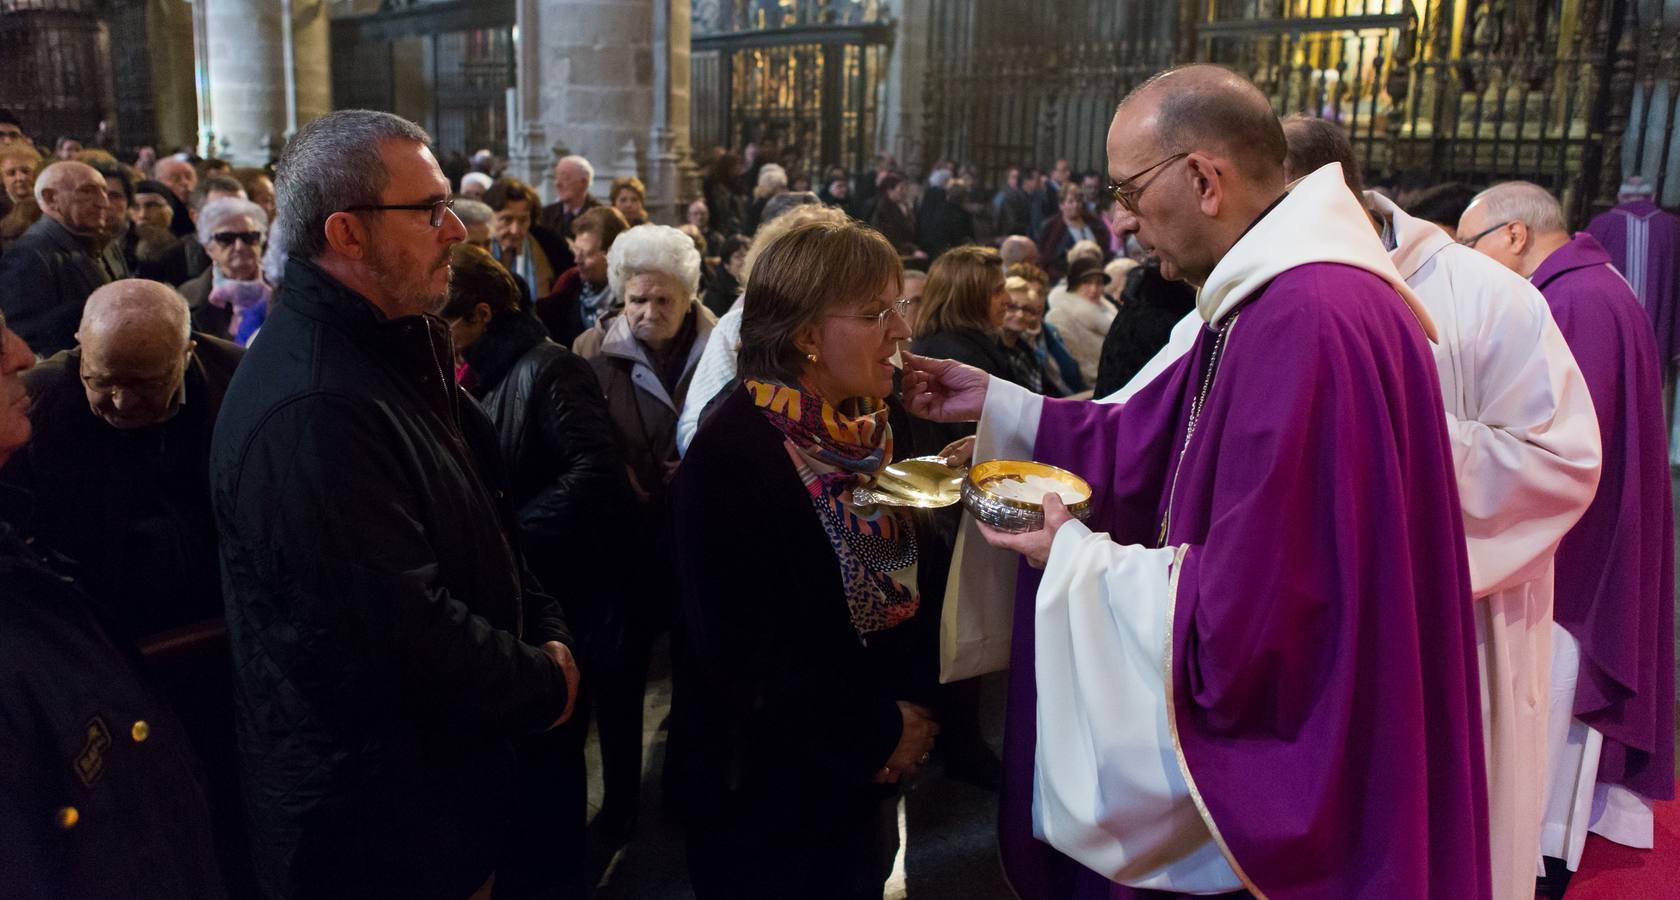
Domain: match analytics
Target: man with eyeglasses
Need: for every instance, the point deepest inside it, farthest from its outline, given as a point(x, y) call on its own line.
point(389, 643)
point(1254, 667)
point(1611, 730)
point(46, 277)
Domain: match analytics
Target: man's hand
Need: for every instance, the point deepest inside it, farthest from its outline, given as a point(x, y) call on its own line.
point(915, 742)
point(940, 390)
point(562, 657)
point(1034, 545)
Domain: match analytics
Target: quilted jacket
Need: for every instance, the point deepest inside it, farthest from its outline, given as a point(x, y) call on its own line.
point(385, 633)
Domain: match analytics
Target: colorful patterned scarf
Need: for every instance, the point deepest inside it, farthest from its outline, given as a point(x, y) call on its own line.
point(834, 453)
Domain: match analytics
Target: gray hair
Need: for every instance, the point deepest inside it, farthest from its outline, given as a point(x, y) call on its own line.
point(1637, 186)
point(220, 210)
point(1018, 248)
point(131, 302)
point(479, 178)
point(473, 212)
point(55, 176)
point(771, 178)
point(1525, 202)
point(581, 163)
point(1086, 249)
point(274, 257)
point(653, 248)
point(332, 163)
point(782, 203)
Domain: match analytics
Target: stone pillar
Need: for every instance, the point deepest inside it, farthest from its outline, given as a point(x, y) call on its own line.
point(260, 86)
point(901, 101)
point(672, 178)
point(169, 43)
point(606, 79)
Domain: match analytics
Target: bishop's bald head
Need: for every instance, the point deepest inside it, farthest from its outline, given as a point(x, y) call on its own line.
point(1198, 154)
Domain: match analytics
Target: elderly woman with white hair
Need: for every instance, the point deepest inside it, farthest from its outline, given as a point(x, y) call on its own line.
point(230, 299)
point(645, 357)
point(772, 180)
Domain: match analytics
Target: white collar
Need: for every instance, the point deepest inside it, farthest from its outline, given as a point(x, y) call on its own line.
point(1318, 221)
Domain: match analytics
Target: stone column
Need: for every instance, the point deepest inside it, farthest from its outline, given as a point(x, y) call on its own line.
point(265, 74)
point(901, 107)
point(606, 79)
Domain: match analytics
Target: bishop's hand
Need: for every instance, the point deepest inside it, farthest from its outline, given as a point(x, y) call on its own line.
point(1034, 545)
point(940, 390)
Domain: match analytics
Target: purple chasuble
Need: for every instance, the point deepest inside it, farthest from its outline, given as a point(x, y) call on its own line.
point(1644, 245)
point(1615, 568)
point(1323, 687)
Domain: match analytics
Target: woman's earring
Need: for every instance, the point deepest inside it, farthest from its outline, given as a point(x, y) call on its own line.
point(811, 356)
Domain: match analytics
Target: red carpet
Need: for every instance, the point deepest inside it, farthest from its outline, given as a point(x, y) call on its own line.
point(1610, 871)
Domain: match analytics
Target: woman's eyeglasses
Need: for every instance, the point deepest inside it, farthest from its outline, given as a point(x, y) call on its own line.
point(229, 238)
point(1024, 309)
point(437, 208)
point(903, 306)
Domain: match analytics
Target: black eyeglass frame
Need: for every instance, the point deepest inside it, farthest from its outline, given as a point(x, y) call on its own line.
point(436, 208)
point(1472, 242)
point(1128, 194)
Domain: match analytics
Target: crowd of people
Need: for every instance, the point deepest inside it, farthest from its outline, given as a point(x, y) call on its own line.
point(338, 499)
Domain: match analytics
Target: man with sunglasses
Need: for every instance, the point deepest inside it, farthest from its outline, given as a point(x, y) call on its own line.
point(389, 644)
point(46, 277)
point(1611, 730)
point(1254, 668)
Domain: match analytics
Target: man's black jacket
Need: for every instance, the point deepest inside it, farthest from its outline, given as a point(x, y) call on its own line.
point(385, 632)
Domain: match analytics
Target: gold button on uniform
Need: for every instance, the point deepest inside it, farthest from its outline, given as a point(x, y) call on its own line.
point(140, 731)
point(66, 818)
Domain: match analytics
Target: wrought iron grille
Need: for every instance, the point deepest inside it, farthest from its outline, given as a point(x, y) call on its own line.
point(466, 64)
point(1477, 90)
point(805, 73)
point(57, 71)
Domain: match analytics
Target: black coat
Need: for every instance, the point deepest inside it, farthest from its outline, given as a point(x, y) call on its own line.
point(1150, 307)
point(566, 465)
point(385, 633)
point(965, 345)
point(894, 225)
point(81, 734)
point(942, 223)
point(131, 507)
point(554, 218)
point(45, 280)
point(793, 713)
point(939, 526)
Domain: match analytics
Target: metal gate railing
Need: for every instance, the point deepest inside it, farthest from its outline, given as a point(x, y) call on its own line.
point(1568, 93)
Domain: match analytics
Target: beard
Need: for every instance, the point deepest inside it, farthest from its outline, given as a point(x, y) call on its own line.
point(409, 285)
